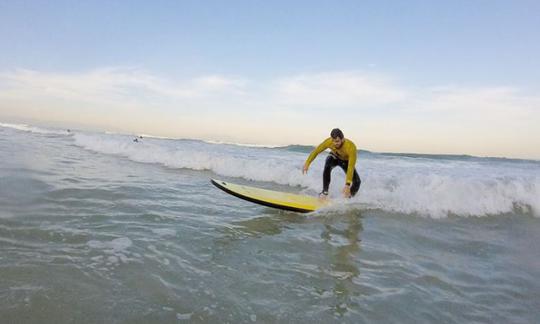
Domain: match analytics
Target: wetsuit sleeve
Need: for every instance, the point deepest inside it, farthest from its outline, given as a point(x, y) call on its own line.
point(352, 163)
point(323, 146)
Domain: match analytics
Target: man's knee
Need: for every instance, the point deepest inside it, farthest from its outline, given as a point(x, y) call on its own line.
point(331, 159)
point(330, 163)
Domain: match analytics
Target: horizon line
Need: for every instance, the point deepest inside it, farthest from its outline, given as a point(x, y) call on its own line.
point(261, 145)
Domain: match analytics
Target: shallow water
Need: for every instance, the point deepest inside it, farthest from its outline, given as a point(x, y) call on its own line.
point(103, 231)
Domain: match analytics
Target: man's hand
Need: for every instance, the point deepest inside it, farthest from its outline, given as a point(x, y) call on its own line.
point(347, 191)
point(304, 170)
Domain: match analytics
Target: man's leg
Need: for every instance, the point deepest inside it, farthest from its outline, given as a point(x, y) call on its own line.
point(330, 163)
point(355, 183)
point(356, 178)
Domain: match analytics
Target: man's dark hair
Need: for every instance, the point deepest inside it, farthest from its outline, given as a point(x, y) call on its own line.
point(336, 132)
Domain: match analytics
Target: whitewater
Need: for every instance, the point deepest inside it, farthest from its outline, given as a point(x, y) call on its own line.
point(431, 186)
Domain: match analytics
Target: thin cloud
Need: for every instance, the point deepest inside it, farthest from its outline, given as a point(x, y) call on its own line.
point(110, 85)
point(220, 83)
point(338, 89)
point(352, 90)
point(479, 100)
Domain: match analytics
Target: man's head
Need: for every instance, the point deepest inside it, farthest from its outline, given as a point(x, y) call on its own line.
point(337, 137)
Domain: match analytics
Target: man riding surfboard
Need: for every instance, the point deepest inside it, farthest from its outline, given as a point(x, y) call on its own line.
point(343, 153)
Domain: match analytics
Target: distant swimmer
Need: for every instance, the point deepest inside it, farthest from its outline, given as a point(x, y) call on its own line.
point(136, 139)
point(343, 153)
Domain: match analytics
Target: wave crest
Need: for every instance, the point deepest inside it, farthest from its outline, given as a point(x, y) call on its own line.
point(435, 188)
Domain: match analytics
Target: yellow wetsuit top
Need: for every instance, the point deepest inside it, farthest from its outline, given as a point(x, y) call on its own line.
point(346, 152)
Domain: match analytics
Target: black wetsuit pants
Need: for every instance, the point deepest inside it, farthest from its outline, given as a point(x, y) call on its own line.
point(332, 162)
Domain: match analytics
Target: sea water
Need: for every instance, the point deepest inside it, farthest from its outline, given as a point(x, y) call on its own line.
point(98, 228)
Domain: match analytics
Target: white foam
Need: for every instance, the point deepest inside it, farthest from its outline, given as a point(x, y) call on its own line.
point(242, 144)
point(154, 136)
point(249, 163)
point(441, 188)
point(410, 185)
point(33, 129)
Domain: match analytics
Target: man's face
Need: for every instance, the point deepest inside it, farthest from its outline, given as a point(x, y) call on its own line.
point(337, 142)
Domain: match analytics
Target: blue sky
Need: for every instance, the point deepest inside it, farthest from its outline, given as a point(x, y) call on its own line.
point(459, 41)
point(279, 63)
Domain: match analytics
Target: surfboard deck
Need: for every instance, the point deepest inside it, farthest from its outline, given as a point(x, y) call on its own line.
point(271, 198)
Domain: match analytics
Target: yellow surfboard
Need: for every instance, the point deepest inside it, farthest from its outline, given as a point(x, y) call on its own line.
point(270, 198)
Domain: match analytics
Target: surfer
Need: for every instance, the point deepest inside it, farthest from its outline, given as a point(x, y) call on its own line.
point(343, 153)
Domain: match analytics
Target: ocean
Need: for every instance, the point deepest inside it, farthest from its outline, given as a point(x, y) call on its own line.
point(97, 228)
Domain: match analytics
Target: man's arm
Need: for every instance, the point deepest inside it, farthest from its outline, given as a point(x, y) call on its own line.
point(323, 146)
point(352, 164)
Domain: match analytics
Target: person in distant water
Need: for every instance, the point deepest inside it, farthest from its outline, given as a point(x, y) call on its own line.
point(343, 153)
